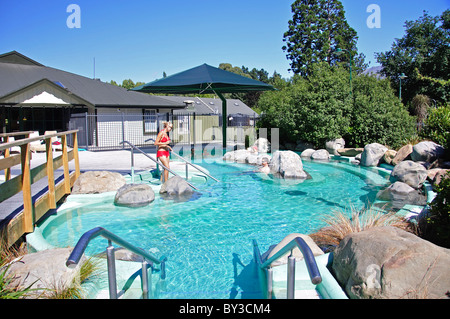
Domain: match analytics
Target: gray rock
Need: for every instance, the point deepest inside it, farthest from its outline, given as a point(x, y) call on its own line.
point(389, 156)
point(238, 156)
point(322, 155)
point(262, 145)
point(409, 172)
point(350, 152)
point(372, 154)
point(334, 145)
point(401, 194)
point(134, 195)
point(402, 154)
point(45, 270)
point(287, 165)
point(307, 153)
point(176, 188)
point(97, 182)
point(390, 263)
point(427, 152)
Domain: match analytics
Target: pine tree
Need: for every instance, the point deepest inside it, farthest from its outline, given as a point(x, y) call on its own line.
point(318, 28)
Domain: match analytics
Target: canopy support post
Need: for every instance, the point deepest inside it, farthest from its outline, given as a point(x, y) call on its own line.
point(224, 119)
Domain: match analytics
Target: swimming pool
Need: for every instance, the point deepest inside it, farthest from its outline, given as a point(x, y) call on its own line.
point(208, 240)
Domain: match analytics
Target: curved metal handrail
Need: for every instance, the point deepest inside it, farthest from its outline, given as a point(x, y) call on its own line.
point(84, 240)
point(310, 261)
point(311, 264)
point(158, 163)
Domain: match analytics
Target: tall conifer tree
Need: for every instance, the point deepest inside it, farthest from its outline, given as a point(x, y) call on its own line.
point(318, 28)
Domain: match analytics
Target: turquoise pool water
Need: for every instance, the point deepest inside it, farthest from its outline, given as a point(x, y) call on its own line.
point(208, 240)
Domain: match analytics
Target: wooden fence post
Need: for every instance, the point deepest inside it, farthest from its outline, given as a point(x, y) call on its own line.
point(75, 155)
point(28, 211)
point(65, 158)
point(50, 174)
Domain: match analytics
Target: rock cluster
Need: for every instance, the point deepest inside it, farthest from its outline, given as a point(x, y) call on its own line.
point(283, 164)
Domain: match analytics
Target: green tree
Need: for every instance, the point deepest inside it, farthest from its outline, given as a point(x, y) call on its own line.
point(318, 108)
point(313, 109)
point(317, 29)
point(423, 54)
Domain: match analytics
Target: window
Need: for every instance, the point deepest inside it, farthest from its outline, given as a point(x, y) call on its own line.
point(150, 121)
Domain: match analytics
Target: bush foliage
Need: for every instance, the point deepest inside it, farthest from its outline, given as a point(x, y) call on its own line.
point(323, 106)
point(437, 126)
point(437, 227)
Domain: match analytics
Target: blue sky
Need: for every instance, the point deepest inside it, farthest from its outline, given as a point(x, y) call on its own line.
point(141, 39)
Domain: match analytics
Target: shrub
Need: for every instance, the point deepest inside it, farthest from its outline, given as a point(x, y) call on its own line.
point(437, 226)
point(437, 126)
point(319, 108)
point(378, 115)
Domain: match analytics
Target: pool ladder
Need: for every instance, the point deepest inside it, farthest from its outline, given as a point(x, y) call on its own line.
point(134, 147)
point(148, 260)
point(265, 266)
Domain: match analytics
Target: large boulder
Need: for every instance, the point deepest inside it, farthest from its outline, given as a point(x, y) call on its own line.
point(238, 156)
point(402, 154)
point(334, 145)
point(350, 152)
point(390, 263)
point(320, 155)
point(401, 194)
point(97, 182)
point(372, 154)
point(134, 195)
point(427, 151)
point(176, 188)
point(389, 156)
point(262, 145)
point(45, 271)
point(409, 172)
point(288, 165)
point(307, 153)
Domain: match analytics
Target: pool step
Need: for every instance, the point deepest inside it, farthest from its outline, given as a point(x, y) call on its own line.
point(304, 289)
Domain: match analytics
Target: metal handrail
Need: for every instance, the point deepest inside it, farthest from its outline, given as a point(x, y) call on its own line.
point(197, 168)
point(86, 238)
point(158, 163)
point(188, 163)
point(310, 261)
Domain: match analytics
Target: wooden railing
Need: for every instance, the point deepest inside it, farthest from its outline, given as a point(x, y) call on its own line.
point(24, 221)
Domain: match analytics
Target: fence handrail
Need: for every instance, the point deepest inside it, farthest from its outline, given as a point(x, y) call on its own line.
point(15, 133)
point(28, 140)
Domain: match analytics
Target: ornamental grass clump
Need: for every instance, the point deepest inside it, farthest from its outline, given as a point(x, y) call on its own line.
point(340, 224)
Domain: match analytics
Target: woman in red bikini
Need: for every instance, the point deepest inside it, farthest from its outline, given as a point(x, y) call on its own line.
point(162, 142)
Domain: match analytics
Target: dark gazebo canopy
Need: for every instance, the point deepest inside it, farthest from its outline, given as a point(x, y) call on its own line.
point(205, 79)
